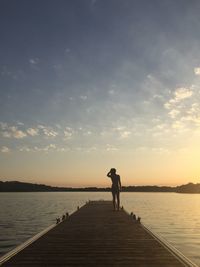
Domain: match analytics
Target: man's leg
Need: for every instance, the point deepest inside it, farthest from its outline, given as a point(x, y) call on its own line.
point(114, 203)
point(118, 200)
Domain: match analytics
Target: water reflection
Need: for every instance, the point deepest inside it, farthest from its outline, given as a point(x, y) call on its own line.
point(174, 216)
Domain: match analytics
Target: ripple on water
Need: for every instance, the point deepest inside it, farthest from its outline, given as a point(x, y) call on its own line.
point(176, 217)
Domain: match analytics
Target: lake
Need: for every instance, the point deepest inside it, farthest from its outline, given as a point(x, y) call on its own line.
point(176, 217)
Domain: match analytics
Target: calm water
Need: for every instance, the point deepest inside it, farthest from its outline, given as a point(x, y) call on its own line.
point(176, 217)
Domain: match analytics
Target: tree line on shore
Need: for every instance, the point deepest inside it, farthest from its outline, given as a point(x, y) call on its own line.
point(16, 186)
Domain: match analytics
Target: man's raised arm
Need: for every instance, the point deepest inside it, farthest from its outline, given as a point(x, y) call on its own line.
point(109, 174)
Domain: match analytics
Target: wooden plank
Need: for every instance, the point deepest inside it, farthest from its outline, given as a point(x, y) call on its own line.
point(96, 235)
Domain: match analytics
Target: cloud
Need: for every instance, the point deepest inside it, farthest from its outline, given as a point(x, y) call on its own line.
point(93, 2)
point(167, 105)
point(46, 149)
point(125, 134)
point(25, 148)
point(67, 50)
point(175, 104)
point(122, 131)
point(32, 131)
point(197, 71)
point(17, 133)
point(14, 132)
point(160, 129)
point(192, 114)
point(91, 149)
point(3, 125)
point(173, 113)
point(111, 148)
point(180, 94)
point(158, 96)
point(48, 131)
point(34, 61)
point(83, 97)
point(53, 146)
point(20, 123)
point(4, 130)
point(195, 109)
point(6, 134)
point(68, 133)
point(87, 133)
point(111, 92)
point(11, 131)
point(4, 71)
point(5, 149)
point(160, 150)
point(178, 125)
point(184, 109)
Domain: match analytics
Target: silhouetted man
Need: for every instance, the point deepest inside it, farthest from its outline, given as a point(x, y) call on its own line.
point(116, 187)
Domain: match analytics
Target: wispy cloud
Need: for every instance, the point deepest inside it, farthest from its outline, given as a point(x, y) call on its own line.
point(111, 92)
point(17, 133)
point(33, 131)
point(180, 94)
point(125, 134)
point(6, 134)
point(34, 61)
point(173, 113)
point(20, 123)
point(4, 71)
point(83, 97)
point(46, 149)
point(179, 125)
point(5, 149)
point(25, 149)
point(48, 131)
point(111, 148)
point(122, 132)
point(11, 131)
point(160, 150)
point(20, 131)
point(192, 114)
point(3, 125)
point(68, 133)
point(67, 50)
point(197, 71)
point(93, 2)
point(184, 108)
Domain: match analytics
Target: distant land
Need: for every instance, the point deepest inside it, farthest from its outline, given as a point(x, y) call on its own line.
point(16, 186)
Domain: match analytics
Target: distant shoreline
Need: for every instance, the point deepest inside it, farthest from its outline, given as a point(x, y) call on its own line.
point(16, 186)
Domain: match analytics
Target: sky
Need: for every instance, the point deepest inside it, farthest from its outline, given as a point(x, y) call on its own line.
point(87, 85)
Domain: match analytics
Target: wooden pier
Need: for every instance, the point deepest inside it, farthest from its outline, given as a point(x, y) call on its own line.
point(95, 235)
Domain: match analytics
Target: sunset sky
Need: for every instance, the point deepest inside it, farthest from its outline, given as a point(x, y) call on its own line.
point(86, 85)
